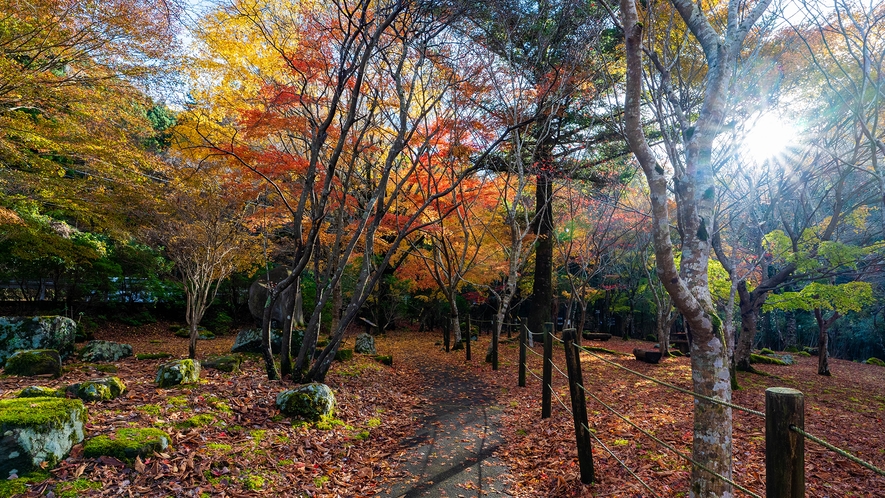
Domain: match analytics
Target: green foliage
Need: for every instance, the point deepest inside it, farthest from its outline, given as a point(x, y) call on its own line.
point(841, 298)
point(876, 361)
point(76, 488)
point(201, 420)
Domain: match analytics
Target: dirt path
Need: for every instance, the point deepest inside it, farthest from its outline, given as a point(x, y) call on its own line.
point(452, 451)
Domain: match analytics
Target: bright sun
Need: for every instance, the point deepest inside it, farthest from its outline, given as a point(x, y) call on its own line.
point(768, 137)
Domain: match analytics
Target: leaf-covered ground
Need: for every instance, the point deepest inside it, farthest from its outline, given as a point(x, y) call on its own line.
point(244, 448)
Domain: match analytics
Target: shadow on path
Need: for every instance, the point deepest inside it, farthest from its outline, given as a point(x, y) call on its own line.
point(451, 452)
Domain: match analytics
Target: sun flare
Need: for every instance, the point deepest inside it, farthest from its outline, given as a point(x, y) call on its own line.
point(768, 137)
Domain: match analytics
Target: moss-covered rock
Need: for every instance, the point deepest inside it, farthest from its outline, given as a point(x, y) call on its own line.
point(384, 359)
point(875, 361)
point(104, 389)
point(344, 355)
point(127, 444)
point(766, 351)
point(229, 363)
point(178, 372)
point(365, 344)
point(758, 358)
point(40, 392)
point(311, 402)
point(37, 432)
point(31, 362)
point(203, 334)
point(39, 332)
point(98, 351)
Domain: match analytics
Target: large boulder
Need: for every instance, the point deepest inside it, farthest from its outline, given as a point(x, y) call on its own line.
point(249, 341)
point(99, 351)
point(311, 402)
point(104, 389)
point(39, 332)
point(126, 444)
point(178, 372)
point(258, 296)
point(31, 362)
point(365, 344)
point(37, 433)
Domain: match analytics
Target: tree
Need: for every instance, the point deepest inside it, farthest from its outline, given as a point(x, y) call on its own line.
point(203, 232)
point(695, 194)
point(821, 298)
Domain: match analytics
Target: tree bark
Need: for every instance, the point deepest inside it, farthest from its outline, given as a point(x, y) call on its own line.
point(542, 288)
point(823, 324)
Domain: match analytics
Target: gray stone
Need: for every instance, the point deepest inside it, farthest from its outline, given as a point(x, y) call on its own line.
point(178, 372)
point(258, 296)
point(249, 341)
point(31, 362)
point(99, 351)
point(37, 432)
point(311, 402)
point(229, 363)
point(39, 332)
point(365, 344)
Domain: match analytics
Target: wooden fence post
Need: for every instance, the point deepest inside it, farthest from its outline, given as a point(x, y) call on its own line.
point(579, 406)
point(469, 336)
point(523, 343)
point(495, 345)
point(547, 371)
point(784, 449)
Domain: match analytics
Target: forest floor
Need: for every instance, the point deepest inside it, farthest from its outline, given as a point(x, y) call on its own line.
point(398, 426)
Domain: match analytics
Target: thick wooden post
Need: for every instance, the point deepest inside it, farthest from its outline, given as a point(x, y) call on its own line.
point(579, 406)
point(784, 449)
point(523, 344)
point(547, 371)
point(469, 336)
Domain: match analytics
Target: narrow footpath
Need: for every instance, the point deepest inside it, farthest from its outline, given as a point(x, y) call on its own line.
point(451, 453)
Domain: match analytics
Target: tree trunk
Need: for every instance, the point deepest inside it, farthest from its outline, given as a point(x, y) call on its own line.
point(823, 324)
point(749, 315)
point(791, 338)
point(542, 288)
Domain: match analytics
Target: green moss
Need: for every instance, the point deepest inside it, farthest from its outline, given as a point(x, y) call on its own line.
point(803, 353)
point(201, 420)
point(344, 355)
point(327, 423)
point(15, 487)
point(106, 368)
point(766, 351)
point(149, 409)
point(373, 422)
point(384, 359)
point(253, 482)
point(152, 356)
point(74, 489)
point(176, 401)
point(791, 349)
point(219, 447)
point(361, 435)
point(258, 435)
point(33, 412)
point(320, 480)
point(127, 444)
point(34, 362)
point(286, 462)
point(758, 358)
point(876, 361)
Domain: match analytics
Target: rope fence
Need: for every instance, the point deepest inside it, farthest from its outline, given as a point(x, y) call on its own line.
point(774, 466)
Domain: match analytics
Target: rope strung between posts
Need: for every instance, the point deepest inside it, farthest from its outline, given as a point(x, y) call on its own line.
point(674, 387)
point(530, 350)
point(839, 451)
point(668, 446)
point(569, 410)
point(529, 370)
